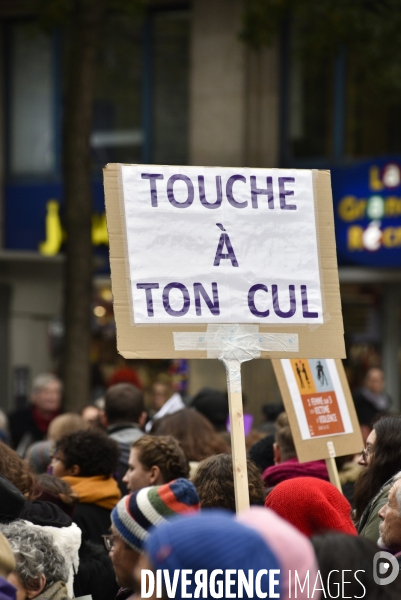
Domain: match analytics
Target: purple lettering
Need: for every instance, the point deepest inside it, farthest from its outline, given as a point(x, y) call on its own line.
point(251, 300)
point(213, 306)
point(255, 192)
point(225, 241)
point(229, 191)
point(305, 309)
point(283, 193)
point(170, 191)
point(202, 195)
point(153, 191)
point(185, 296)
point(293, 304)
point(148, 287)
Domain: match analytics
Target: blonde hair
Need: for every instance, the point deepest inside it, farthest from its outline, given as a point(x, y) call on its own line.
point(64, 424)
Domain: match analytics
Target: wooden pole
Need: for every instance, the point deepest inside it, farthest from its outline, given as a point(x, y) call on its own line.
point(241, 489)
point(333, 473)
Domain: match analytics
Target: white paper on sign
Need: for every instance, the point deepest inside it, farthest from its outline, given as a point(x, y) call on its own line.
point(318, 398)
point(222, 245)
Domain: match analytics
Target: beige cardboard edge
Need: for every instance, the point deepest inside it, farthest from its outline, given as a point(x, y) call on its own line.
point(317, 448)
point(157, 341)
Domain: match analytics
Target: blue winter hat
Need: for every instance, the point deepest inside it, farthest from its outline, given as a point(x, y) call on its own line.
point(211, 540)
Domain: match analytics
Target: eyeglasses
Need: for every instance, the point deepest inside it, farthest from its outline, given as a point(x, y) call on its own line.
point(366, 452)
point(57, 458)
point(108, 540)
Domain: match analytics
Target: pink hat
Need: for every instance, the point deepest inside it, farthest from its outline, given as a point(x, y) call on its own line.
point(293, 550)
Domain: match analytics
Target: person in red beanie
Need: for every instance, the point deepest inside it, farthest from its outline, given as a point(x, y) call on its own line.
point(286, 465)
point(312, 506)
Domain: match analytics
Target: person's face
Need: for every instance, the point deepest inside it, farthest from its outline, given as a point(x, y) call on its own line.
point(91, 415)
point(58, 467)
point(144, 562)
point(124, 560)
point(48, 399)
point(137, 477)
point(367, 454)
point(375, 381)
point(22, 592)
point(159, 395)
point(390, 527)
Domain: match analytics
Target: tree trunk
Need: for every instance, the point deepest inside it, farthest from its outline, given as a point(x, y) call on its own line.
point(84, 43)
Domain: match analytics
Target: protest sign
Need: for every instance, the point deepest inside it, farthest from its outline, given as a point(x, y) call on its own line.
point(192, 247)
point(320, 409)
point(228, 263)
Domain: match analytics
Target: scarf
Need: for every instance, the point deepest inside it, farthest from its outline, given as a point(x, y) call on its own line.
point(291, 468)
point(42, 421)
point(57, 591)
point(100, 490)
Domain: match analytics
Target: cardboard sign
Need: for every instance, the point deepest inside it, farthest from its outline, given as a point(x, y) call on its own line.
point(192, 247)
point(319, 406)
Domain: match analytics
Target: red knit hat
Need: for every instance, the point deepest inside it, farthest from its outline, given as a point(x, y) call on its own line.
point(312, 505)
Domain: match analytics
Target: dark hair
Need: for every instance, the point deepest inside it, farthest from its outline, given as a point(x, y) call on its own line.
point(165, 452)
point(213, 405)
point(214, 482)
point(123, 403)
point(284, 437)
point(92, 450)
point(57, 487)
point(385, 462)
point(262, 453)
point(338, 552)
point(195, 433)
point(18, 472)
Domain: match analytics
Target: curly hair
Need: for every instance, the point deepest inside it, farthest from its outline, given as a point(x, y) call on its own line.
point(195, 433)
point(165, 452)
point(92, 450)
point(214, 482)
point(17, 471)
point(35, 554)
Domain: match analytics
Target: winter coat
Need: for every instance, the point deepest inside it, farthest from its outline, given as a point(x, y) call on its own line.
point(125, 434)
point(97, 497)
point(22, 425)
point(369, 405)
point(368, 525)
point(95, 575)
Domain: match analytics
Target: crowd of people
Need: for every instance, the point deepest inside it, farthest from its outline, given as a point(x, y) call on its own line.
point(114, 500)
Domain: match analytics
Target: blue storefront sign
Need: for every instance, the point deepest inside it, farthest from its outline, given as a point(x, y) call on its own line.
point(367, 213)
point(34, 219)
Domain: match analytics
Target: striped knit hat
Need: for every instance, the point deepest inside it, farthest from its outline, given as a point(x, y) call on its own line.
point(137, 513)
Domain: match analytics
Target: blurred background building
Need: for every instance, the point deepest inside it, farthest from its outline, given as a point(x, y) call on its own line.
point(179, 87)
